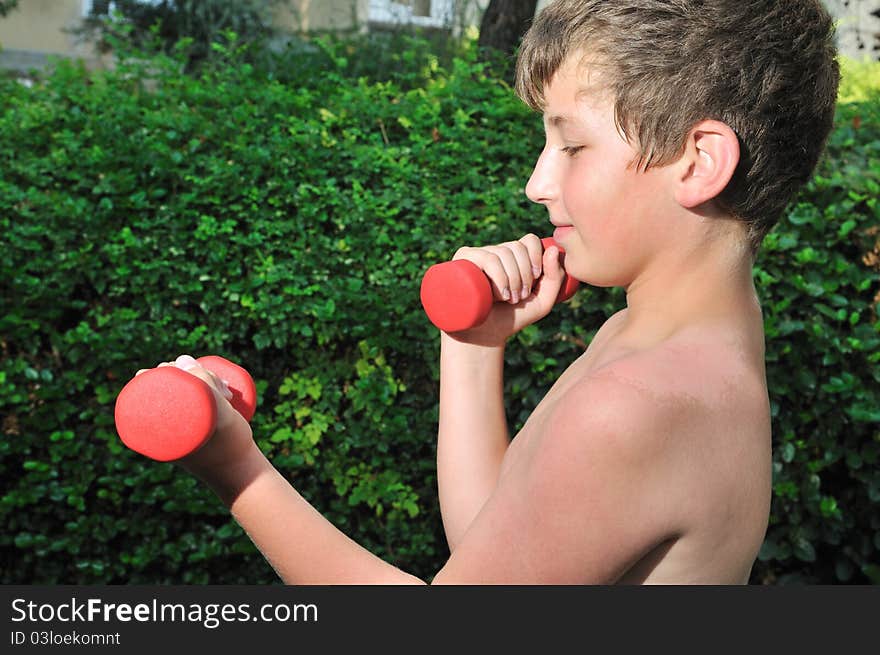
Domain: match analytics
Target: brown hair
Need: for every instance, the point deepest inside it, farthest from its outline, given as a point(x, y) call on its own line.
point(766, 68)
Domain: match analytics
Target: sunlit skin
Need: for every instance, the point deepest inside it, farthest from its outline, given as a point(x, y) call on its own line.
point(649, 459)
point(679, 370)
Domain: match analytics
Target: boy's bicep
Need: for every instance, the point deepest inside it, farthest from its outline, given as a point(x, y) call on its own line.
point(582, 508)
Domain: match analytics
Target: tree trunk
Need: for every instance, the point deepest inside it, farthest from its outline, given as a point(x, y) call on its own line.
point(504, 24)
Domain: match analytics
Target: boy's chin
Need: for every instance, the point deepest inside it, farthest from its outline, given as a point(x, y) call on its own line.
point(597, 272)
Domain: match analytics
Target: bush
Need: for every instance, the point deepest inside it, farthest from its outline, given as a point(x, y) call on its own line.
point(287, 226)
point(818, 278)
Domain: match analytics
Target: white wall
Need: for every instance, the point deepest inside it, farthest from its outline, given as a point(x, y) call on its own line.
point(858, 32)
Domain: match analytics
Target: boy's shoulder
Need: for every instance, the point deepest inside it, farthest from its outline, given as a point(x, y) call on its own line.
point(698, 383)
point(640, 464)
point(673, 440)
point(704, 366)
point(683, 400)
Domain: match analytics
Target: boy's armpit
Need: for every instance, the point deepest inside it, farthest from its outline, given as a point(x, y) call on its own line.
point(591, 491)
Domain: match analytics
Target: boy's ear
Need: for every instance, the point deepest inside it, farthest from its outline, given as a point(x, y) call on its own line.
point(710, 157)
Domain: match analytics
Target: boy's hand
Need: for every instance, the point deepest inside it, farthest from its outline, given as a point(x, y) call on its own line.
point(232, 441)
point(525, 281)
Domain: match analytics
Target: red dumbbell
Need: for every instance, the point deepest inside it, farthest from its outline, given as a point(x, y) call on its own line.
point(457, 295)
point(166, 413)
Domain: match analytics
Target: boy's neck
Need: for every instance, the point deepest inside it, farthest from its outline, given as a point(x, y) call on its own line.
point(697, 280)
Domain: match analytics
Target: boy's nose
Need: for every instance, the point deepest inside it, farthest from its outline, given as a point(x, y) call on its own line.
point(542, 187)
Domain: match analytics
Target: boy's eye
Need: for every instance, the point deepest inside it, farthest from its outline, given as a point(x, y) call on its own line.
point(571, 151)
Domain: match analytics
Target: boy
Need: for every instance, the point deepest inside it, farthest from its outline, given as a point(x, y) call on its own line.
point(676, 132)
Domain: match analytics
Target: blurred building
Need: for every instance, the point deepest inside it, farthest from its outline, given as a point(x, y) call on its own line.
point(38, 28)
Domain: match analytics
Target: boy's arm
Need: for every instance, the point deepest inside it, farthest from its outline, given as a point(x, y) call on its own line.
point(592, 498)
point(601, 487)
point(298, 542)
point(473, 434)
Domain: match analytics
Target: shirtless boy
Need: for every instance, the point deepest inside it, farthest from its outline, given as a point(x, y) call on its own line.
point(676, 133)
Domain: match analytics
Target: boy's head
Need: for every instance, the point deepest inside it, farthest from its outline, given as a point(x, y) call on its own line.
point(765, 68)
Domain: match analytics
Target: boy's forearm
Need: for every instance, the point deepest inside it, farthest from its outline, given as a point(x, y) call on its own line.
point(298, 542)
point(473, 434)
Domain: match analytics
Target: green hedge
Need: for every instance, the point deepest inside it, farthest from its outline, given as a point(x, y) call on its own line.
point(284, 220)
point(818, 280)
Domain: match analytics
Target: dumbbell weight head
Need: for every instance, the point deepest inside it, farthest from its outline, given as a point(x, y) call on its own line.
point(166, 413)
point(457, 295)
point(244, 392)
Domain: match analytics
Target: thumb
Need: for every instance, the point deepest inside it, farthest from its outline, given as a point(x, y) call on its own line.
point(551, 279)
point(192, 366)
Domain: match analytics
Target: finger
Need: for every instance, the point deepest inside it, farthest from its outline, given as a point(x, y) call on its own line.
point(523, 257)
point(159, 365)
point(186, 362)
point(491, 265)
point(535, 249)
point(552, 278)
point(510, 263)
point(191, 365)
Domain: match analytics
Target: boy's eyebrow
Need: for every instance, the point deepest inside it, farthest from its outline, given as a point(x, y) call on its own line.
point(557, 120)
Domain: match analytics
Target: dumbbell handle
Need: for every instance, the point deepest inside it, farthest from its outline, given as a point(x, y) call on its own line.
point(166, 413)
point(457, 295)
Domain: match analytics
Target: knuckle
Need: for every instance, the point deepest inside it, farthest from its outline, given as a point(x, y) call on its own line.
point(496, 263)
point(531, 240)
